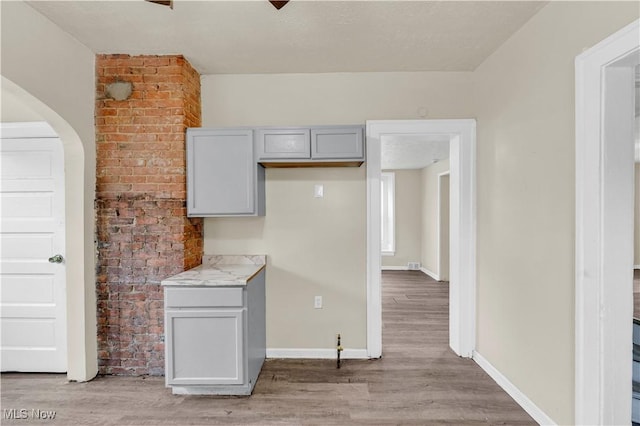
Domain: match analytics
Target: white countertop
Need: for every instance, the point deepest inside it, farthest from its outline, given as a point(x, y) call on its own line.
point(217, 270)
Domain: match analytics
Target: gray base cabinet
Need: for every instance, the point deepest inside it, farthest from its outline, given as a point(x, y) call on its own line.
point(215, 338)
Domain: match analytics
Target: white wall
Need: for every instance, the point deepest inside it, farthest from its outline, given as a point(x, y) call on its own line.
point(408, 218)
point(317, 247)
point(444, 185)
point(52, 76)
point(430, 231)
point(524, 97)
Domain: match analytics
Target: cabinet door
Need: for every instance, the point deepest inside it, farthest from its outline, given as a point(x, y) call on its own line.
point(337, 143)
point(222, 172)
point(204, 347)
point(275, 144)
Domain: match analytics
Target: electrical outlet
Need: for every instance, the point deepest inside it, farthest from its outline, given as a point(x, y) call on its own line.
point(317, 302)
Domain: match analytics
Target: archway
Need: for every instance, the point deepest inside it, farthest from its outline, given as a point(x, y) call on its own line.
point(80, 261)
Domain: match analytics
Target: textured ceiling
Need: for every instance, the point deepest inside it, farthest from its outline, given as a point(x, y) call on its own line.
point(239, 37)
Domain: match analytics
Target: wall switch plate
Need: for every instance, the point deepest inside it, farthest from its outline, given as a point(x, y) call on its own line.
point(317, 302)
point(318, 191)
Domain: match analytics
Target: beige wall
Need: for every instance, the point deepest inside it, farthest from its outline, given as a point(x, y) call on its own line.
point(314, 248)
point(408, 217)
point(430, 241)
point(317, 247)
point(14, 109)
point(524, 96)
point(51, 76)
point(333, 98)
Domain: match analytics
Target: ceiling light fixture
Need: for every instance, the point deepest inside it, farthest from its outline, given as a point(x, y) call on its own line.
point(162, 2)
point(278, 4)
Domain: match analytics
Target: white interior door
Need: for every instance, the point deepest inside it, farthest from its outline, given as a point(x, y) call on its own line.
point(32, 286)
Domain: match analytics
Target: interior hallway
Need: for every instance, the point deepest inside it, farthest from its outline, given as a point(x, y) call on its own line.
point(418, 381)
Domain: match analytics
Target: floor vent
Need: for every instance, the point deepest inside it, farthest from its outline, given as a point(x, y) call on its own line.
point(414, 266)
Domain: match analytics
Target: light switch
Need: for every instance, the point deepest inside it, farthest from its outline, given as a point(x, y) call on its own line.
point(318, 191)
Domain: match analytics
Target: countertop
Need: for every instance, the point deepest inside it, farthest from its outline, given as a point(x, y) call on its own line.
point(217, 270)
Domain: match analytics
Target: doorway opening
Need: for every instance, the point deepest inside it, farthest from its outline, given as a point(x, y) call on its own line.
point(79, 189)
point(462, 137)
point(605, 78)
point(33, 296)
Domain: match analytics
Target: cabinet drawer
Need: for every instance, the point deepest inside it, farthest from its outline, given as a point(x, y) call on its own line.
point(274, 144)
point(337, 143)
point(202, 297)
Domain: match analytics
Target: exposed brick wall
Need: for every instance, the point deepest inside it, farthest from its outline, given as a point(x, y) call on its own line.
point(143, 233)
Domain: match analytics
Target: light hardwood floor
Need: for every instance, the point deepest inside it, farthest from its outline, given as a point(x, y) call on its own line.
point(419, 381)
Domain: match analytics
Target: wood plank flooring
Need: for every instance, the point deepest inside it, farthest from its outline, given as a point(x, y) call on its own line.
point(419, 381)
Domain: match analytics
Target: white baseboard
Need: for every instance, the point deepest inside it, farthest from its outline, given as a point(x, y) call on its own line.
point(405, 268)
point(316, 353)
point(532, 409)
point(636, 266)
point(430, 273)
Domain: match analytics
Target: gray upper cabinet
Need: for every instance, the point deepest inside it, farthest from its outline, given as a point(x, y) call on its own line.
point(225, 167)
point(283, 143)
point(223, 178)
point(309, 146)
point(337, 143)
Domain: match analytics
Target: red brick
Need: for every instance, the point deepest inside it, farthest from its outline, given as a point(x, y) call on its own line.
point(128, 128)
point(133, 179)
point(115, 137)
point(106, 111)
point(157, 61)
point(171, 70)
point(155, 94)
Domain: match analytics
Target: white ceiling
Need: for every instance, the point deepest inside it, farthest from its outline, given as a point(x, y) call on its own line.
point(239, 37)
point(413, 151)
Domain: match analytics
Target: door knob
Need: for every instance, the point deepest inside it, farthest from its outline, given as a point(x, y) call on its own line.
point(56, 259)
